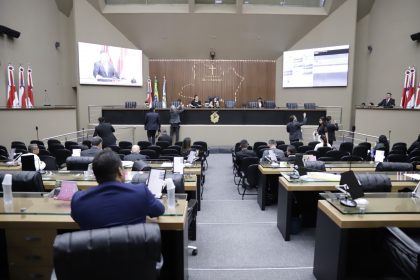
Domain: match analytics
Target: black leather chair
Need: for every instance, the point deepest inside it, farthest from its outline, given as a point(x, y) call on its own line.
point(322, 151)
point(157, 149)
point(68, 144)
point(312, 144)
point(351, 158)
point(125, 151)
point(303, 149)
point(397, 158)
point(50, 162)
point(269, 104)
point(334, 154)
point(374, 182)
point(282, 147)
point(61, 156)
point(78, 163)
point(123, 252)
point(230, 103)
point(250, 180)
point(394, 166)
point(150, 153)
point(163, 144)
point(346, 148)
point(125, 144)
point(314, 166)
point(25, 181)
point(403, 251)
point(309, 106)
point(291, 105)
point(361, 151)
point(144, 144)
point(140, 165)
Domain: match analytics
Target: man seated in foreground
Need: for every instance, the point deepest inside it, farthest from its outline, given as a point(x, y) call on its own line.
point(113, 202)
point(33, 150)
point(95, 149)
point(273, 147)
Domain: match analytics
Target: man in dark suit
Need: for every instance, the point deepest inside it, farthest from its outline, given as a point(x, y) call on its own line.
point(135, 154)
point(388, 102)
point(104, 70)
point(95, 149)
point(152, 124)
point(331, 128)
point(294, 128)
point(106, 131)
point(113, 202)
point(244, 152)
point(165, 137)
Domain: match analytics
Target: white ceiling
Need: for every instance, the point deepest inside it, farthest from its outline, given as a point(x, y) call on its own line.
point(230, 35)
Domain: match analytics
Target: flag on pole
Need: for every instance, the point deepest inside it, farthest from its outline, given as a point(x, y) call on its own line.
point(156, 92)
point(30, 98)
point(149, 98)
point(407, 99)
point(22, 91)
point(12, 100)
point(418, 97)
point(411, 96)
point(164, 93)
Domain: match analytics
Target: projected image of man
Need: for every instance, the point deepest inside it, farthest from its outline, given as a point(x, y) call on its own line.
point(104, 69)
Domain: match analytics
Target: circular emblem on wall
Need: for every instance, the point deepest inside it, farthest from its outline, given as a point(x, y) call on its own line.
point(214, 117)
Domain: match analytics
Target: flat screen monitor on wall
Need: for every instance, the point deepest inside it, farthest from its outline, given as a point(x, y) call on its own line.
point(321, 67)
point(107, 65)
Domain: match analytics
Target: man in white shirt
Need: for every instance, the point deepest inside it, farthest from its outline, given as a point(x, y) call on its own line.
point(33, 150)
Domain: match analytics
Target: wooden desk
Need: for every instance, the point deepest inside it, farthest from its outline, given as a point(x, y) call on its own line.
point(7, 167)
point(344, 242)
point(307, 195)
point(30, 237)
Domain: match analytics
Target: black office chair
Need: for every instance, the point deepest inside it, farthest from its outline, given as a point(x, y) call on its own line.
point(366, 144)
point(297, 144)
point(402, 247)
point(114, 148)
point(125, 151)
point(282, 147)
point(163, 144)
point(250, 180)
point(312, 144)
point(334, 154)
point(25, 181)
point(261, 150)
point(80, 147)
point(397, 158)
point(170, 152)
point(291, 105)
point(67, 144)
point(155, 148)
point(315, 166)
point(414, 153)
point(61, 156)
point(280, 142)
point(230, 103)
point(175, 147)
point(50, 162)
point(309, 106)
point(400, 145)
point(44, 153)
point(394, 166)
point(87, 143)
point(325, 158)
point(178, 143)
point(53, 141)
point(39, 143)
point(243, 166)
point(374, 182)
point(55, 146)
point(257, 144)
point(322, 151)
point(140, 165)
point(361, 151)
point(17, 144)
point(123, 252)
point(351, 158)
point(346, 148)
point(78, 163)
point(150, 153)
point(303, 149)
point(144, 144)
point(125, 145)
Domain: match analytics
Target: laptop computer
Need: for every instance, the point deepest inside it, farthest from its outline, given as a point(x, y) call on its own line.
point(155, 181)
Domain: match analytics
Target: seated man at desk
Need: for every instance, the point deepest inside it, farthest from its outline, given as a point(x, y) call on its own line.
point(244, 152)
point(290, 154)
point(387, 102)
point(33, 150)
point(273, 147)
point(95, 149)
point(113, 202)
point(135, 154)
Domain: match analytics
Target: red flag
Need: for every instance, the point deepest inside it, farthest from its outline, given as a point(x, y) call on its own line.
point(403, 103)
point(149, 98)
point(12, 101)
point(411, 96)
point(30, 98)
point(418, 97)
point(22, 91)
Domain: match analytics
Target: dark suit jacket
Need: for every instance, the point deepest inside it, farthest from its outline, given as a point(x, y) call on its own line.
point(134, 157)
point(90, 152)
point(389, 104)
point(245, 153)
point(106, 132)
point(294, 130)
point(99, 69)
point(331, 128)
point(152, 121)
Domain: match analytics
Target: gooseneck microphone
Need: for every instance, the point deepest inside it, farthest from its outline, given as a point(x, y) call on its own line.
point(37, 136)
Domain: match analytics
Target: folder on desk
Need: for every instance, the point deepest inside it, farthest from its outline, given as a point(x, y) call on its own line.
point(155, 181)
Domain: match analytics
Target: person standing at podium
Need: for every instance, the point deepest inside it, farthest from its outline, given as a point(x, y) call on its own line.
point(387, 102)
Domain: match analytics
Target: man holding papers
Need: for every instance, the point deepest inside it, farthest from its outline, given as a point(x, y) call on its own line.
point(113, 202)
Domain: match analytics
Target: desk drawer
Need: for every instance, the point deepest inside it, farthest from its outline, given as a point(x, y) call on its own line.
point(31, 272)
point(27, 256)
point(30, 237)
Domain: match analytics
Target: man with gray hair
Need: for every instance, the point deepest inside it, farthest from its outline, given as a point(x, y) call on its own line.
point(33, 150)
point(95, 149)
point(135, 154)
point(273, 147)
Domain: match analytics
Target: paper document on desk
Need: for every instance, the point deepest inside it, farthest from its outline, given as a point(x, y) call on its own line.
point(413, 176)
point(127, 163)
point(321, 176)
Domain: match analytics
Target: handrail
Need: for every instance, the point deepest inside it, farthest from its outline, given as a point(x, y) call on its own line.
point(65, 134)
point(358, 133)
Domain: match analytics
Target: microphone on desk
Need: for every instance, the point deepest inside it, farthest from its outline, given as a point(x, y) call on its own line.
point(347, 200)
point(37, 136)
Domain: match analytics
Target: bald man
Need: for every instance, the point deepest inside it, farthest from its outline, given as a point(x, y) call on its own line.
point(135, 154)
